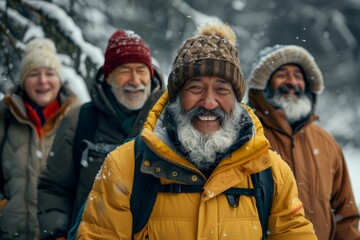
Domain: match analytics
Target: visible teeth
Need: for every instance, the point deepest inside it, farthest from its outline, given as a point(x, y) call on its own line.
point(207, 118)
point(133, 91)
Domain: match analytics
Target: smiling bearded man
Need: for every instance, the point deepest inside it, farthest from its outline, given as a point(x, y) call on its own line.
point(131, 84)
point(284, 86)
point(198, 145)
point(205, 149)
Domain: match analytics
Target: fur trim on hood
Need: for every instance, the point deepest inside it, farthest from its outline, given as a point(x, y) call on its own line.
point(271, 58)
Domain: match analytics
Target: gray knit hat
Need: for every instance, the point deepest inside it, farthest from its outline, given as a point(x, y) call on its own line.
point(211, 52)
point(271, 58)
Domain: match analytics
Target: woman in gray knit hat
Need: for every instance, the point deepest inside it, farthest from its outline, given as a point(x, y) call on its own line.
point(283, 87)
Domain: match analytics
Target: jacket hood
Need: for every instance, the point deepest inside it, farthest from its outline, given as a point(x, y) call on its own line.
point(271, 58)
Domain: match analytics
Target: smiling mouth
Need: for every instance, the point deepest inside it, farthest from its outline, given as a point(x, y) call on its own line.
point(134, 91)
point(289, 90)
point(207, 118)
point(42, 91)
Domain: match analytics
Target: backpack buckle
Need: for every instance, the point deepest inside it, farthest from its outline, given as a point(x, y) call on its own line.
point(169, 188)
point(175, 188)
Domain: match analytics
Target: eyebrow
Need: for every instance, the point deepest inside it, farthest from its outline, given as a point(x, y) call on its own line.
point(194, 80)
point(45, 68)
point(281, 69)
point(223, 81)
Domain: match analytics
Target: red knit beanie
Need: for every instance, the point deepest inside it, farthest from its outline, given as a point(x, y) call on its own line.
point(125, 46)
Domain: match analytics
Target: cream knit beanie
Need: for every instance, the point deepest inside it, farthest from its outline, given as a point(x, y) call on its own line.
point(40, 52)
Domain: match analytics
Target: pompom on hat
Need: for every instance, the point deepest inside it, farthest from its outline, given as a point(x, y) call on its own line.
point(125, 46)
point(271, 58)
point(40, 52)
point(210, 53)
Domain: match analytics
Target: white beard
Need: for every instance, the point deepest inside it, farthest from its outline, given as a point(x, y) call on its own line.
point(295, 108)
point(203, 147)
point(131, 103)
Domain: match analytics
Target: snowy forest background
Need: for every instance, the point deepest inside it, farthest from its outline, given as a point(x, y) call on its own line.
point(329, 29)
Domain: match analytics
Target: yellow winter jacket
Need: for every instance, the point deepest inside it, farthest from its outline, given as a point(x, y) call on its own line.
point(206, 215)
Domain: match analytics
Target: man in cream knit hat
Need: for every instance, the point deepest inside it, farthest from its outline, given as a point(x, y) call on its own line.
point(283, 88)
point(198, 149)
point(30, 114)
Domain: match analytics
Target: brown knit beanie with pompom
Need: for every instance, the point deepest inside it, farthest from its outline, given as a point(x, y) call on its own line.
point(210, 53)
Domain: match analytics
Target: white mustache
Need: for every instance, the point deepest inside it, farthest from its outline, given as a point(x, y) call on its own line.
point(132, 88)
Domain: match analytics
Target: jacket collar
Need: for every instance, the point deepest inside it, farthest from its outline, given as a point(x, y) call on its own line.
point(14, 101)
point(251, 157)
point(247, 156)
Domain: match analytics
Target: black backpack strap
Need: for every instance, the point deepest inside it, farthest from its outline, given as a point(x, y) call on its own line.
point(4, 131)
point(85, 130)
point(142, 198)
point(177, 188)
point(181, 188)
point(263, 192)
point(264, 181)
point(146, 187)
point(74, 230)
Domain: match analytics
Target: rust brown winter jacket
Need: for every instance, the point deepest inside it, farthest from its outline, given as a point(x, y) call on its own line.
point(319, 168)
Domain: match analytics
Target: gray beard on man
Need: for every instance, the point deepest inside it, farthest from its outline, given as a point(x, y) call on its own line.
point(295, 107)
point(203, 147)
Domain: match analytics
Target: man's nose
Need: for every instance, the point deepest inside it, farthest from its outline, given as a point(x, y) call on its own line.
point(209, 101)
point(135, 78)
point(291, 79)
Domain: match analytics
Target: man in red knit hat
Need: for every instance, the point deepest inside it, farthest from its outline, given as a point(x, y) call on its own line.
point(126, 54)
point(125, 89)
